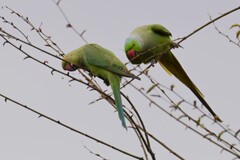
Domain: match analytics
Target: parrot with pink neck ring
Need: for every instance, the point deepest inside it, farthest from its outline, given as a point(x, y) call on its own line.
point(151, 44)
point(102, 63)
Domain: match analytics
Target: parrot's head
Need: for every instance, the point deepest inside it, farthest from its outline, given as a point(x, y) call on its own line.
point(70, 62)
point(133, 46)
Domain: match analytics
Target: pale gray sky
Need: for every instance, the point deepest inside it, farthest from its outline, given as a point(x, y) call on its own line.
point(208, 58)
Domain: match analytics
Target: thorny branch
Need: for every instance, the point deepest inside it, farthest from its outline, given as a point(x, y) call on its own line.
point(39, 31)
point(96, 154)
point(69, 127)
point(178, 119)
point(69, 25)
point(226, 36)
point(208, 23)
point(231, 148)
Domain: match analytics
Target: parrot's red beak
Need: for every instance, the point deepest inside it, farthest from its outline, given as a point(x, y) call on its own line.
point(131, 53)
point(70, 67)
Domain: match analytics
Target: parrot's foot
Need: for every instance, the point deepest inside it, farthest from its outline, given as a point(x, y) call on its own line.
point(90, 74)
point(153, 61)
point(106, 82)
point(175, 45)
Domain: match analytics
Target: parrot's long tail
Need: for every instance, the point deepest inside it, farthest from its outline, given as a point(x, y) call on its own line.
point(172, 66)
point(114, 81)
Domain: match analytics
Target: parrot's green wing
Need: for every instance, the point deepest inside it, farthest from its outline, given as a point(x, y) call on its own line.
point(104, 58)
point(159, 29)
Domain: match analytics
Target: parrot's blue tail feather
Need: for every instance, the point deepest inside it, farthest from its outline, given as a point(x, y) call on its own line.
point(115, 85)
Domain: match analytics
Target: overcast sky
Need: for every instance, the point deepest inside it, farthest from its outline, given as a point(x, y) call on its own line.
point(210, 60)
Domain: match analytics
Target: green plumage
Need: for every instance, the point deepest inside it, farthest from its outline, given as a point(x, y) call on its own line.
point(152, 43)
point(102, 63)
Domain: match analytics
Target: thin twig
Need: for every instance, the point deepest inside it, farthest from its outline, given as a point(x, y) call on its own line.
point(147, 143)
point(208, 23)
point(179, 120)
point(69, 25)
point(224, 35)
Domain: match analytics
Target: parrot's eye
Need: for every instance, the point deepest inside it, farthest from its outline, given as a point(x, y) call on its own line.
point(74, 67)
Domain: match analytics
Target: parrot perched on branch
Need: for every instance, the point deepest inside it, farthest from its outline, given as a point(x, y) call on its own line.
point(102, 63)
point(152, 43)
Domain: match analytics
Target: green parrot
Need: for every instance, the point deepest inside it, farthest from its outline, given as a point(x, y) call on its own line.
point(152, 43)
point(102, 63)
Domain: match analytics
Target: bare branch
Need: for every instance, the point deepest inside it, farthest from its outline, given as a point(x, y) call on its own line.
point(69, 25)
point(67, 126)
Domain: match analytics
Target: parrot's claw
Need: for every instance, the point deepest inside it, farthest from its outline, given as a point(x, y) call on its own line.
point(175, 45)
point(106, 82)
point(153, 61)
point(90, 74)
